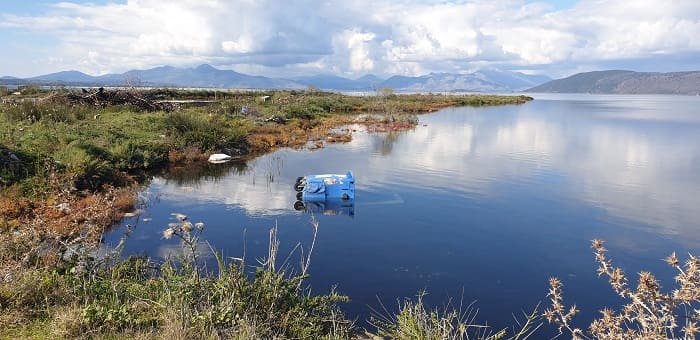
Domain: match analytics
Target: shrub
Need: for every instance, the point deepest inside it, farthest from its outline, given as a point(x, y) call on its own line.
point(88, 165)
point(302, 111)
point(206, 132)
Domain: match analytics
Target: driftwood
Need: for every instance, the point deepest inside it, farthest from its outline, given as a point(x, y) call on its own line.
point(101, 97)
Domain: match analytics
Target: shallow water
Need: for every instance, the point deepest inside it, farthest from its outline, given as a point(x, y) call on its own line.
point(473, 204)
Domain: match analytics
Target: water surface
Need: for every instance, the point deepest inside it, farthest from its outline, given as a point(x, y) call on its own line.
point(477, 204)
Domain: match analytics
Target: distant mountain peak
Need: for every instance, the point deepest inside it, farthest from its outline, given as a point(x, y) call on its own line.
point(160, 68)
point(206, 67)
point(369, 77)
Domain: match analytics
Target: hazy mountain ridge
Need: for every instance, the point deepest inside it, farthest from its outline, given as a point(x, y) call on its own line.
point(210, 77)
point(625, 82)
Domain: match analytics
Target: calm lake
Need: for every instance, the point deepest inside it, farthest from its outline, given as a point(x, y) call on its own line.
point(474, 204)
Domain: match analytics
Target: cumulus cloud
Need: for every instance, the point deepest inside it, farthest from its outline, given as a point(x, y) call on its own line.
point(354, 38)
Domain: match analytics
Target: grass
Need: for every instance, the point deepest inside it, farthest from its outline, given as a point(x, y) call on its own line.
point(92, 150)
point(108, 296)
point(414, 320)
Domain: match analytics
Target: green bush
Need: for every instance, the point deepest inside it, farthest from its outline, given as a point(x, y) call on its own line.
point(132, 156)
point(208, 132)
point(302, 111)
point(15, 166)
point(88, 165)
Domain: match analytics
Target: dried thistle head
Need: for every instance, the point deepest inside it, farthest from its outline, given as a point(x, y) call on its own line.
point(672, 259)
point(199, 226)
point(648, 284)
point(555, 284)
point(168, 233)
point(692, 266)
point(690, 329)
point(181, 217)
point(597, 244)
point(618, 280)
point(549, 315)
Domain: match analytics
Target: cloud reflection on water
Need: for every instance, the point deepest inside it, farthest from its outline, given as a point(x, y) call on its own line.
point(635, 158)
point(612, 159)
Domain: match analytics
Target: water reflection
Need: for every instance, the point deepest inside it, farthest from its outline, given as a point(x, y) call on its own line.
point(198, 172)
point(385, 143)
point(634, 170)
point(601, 151)
point(330, 207)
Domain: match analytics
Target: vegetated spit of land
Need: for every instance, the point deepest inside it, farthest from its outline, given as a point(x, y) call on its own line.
point(61, 146)
point(70, 162)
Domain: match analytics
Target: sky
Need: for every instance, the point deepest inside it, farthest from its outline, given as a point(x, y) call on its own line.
point(280, 38)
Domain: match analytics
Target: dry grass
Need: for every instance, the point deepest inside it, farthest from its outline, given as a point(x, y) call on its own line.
point(43, 235)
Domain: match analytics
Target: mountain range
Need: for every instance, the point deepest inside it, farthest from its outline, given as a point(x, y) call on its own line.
point(206, 76)
point(625, 82)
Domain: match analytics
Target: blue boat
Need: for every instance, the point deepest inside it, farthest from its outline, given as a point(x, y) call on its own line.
point(322, 187)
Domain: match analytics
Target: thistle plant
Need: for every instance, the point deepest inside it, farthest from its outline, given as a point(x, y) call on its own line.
point(649, 314)
point(188, 233)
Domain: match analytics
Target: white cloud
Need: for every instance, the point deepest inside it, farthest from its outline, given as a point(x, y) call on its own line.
point(353, 51)
point(354, 38)
point(243, 45)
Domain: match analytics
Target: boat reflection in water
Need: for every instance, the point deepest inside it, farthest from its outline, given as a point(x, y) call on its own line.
point(329, 207)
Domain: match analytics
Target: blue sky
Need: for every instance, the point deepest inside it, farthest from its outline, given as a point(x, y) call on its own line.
point(350, 38)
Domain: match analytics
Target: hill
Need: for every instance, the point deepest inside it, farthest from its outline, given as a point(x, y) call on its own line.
point(625, 82)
